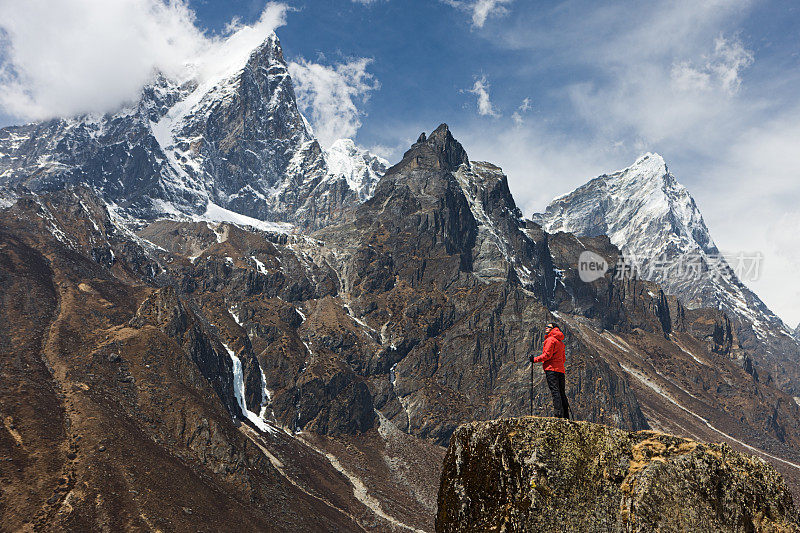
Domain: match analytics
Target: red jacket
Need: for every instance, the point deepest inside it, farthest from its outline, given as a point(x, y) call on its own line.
point(553, 352)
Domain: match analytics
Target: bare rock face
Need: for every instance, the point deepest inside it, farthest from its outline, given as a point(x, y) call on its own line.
point(447, 286)
point(542, 474)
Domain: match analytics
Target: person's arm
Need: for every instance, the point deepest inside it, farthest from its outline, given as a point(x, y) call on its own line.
point(548, 351)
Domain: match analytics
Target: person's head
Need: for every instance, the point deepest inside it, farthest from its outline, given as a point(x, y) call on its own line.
point(550, 326)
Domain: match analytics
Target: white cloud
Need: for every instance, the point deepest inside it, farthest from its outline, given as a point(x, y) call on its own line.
point(540, 163)
point(65, 58)
point(330, 95)
point(480, 10)
point(722, 69)
point(687, 104)
point(481, 89)
point(384, 151)
point(524, 107)
point(687, 78)
point(730, 58)
point(654, 74)
point(749, 198)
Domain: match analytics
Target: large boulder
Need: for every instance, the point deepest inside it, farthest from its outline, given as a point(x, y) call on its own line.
point(543, 474)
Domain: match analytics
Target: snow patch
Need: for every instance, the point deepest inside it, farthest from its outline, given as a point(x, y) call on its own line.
point(685, 350)
point(220, 231)
point(360, 168)
point(259, 265)
point(610, 338)
point(216, 213)
point(359, 321)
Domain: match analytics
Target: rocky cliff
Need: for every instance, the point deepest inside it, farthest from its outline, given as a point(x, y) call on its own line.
point(543, 474)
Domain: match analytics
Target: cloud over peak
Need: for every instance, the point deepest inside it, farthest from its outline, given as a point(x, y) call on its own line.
point(524, 107)
point(67, 58)
point(330, 95)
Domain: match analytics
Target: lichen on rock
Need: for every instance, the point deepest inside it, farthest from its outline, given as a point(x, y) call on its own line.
point(543, 474)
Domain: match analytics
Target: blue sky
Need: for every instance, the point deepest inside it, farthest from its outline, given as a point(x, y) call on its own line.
point(710, 85)
point(424, 55)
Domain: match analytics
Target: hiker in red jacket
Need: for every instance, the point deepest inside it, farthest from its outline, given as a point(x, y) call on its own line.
point(552, 360)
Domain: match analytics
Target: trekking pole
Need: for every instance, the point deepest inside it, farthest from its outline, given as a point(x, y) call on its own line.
point(535, 346)
point(531, 388)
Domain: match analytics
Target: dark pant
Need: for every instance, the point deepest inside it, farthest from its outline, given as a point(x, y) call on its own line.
point(555, 380)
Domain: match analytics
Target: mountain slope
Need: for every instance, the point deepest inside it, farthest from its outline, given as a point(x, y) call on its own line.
point(194, 286)
point(654, 220)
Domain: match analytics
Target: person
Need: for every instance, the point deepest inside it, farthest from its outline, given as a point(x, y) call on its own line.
point(552, 359)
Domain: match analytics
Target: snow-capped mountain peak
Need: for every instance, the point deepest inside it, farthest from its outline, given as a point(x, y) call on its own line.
point(643, 209)
point(231, 136)
point(655, 222)
point(360, 168)
point(652, 160)
point(241, 115)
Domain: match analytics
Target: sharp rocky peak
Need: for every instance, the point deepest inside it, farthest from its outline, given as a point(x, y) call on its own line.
point(270, 47)
point(438, 159)
point(651, 159)
point(436, 187)
point(440, 150)
point(269, 53)
point(231, 137)
point(642, 197)
point(649, 174)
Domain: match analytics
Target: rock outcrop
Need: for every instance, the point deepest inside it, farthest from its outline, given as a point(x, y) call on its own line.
point(543, 474)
